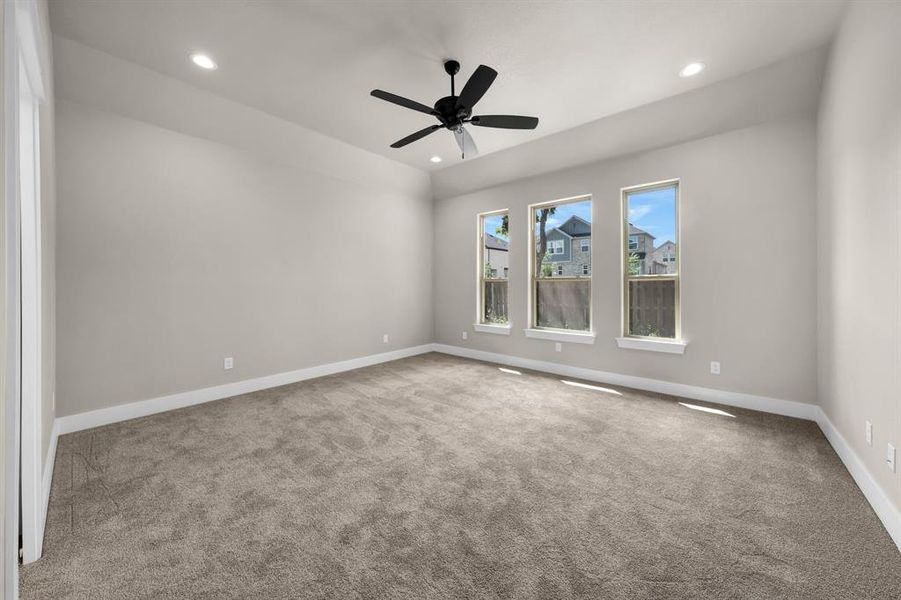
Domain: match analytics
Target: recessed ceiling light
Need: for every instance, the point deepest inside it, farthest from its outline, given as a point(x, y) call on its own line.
point(692, 69)
point(203, 61)
point(435, 159)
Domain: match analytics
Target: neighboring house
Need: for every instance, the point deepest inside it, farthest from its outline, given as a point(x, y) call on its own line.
point(665, 255)
point(652, 261)
point(569, 248)
point(496, 256)
point(641, 244)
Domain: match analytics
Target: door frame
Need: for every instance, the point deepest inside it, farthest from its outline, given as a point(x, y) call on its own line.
point(10, 367)
point(25, 66)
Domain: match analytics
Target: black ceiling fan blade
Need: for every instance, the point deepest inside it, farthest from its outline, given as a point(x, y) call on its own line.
point(476, 87)
point(401, 101)
point(416, 136)
point(505, 121)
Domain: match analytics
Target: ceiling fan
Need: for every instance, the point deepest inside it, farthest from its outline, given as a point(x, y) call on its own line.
point(454, 111)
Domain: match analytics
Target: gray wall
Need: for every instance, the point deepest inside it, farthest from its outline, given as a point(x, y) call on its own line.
point(748, 292)
point(179, 248)
point(860, 235)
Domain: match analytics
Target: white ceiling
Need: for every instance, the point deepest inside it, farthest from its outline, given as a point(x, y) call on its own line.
point(568, 63)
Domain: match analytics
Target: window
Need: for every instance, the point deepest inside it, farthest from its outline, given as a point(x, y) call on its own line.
point(560, 291)
point(651, 287)
point(586, 269)
point(494, 244)
point(584, 245)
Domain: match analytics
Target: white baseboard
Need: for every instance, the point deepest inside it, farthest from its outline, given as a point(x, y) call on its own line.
point(788, 408)
point(143, 408)
point(875, 495)
point(887, 512)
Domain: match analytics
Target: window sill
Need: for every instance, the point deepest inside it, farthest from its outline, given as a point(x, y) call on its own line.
point(560, 336)
point(495, 329)
point(668, 346)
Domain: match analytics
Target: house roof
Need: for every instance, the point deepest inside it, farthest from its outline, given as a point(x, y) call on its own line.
point(495, 243)
point(633, 230)
point(666, 243)
point(575, 226)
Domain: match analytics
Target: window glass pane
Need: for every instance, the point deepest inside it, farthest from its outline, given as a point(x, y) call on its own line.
point(563, 304)
point(652, 231)
point(495, 267)
point(562, 266)
point(559, 231)
point(495, 294)
point(496, 250)
point(652, 307)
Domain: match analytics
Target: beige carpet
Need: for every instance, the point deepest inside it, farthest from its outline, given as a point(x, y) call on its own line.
point(439, 477)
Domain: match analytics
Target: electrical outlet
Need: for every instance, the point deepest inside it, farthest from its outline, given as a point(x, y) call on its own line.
point(869, 434)
point(890, 458)
point(385, 339)
point(714, 367)
point(228, 363)
point(465, 335)
point(558, 347)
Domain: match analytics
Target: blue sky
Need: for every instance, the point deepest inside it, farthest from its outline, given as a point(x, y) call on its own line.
point(491, 225)
point(655, 212)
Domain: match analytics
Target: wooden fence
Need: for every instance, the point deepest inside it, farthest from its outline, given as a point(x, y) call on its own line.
point(495, 302)
point(564, 303)
point(652, 307)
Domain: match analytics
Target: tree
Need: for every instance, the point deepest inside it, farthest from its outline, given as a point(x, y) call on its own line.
point(503, 228)
point(541, 251)
point(634, 264)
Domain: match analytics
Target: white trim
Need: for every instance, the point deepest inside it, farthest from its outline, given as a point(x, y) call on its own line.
point(48, 476)
point(560, 336)
point(495, 329)
point(875, 495)
point(888, 513)
point(777, 406)
point(143, 408)
point(31, 320)
point(669, 346)
point(28, 32)
point(9, 578)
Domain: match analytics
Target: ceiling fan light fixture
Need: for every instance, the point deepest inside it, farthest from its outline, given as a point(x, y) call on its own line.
point(692, 69)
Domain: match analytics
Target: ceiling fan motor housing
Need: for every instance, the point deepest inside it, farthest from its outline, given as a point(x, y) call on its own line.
point(449, 113)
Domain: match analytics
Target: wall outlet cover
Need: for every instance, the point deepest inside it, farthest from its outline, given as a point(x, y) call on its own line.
point(869, 433)
point(890, 458)
point(465, 335)
point(714, 367)
point(558, 347)
point(228, 363)
point(385, 339)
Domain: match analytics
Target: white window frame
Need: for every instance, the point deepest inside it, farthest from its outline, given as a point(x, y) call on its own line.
point(559, 269)
point(584, 245)
point(674, 344)
point(547, 333)
point(480, 324)
point(631, 247)
point(586, 269)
